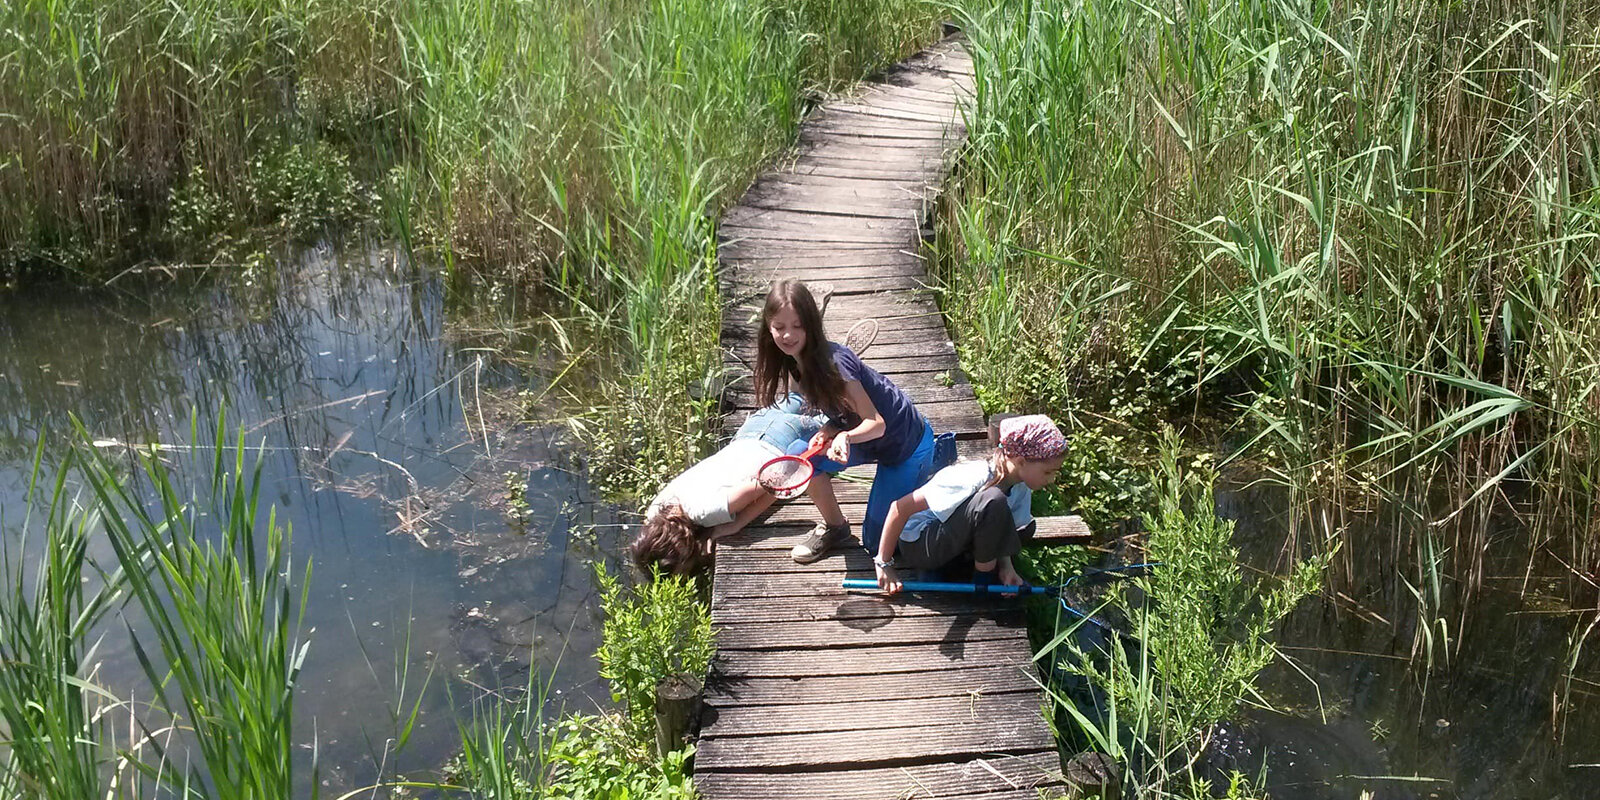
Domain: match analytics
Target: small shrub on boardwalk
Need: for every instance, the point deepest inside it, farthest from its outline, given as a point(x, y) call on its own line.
point(653, 630)
point(1202, 631)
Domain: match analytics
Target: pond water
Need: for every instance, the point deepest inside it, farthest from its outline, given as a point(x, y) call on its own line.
point(1496, 717)
point(390, 440)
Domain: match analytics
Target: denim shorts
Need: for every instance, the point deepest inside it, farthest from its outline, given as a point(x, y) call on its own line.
point(781, 424)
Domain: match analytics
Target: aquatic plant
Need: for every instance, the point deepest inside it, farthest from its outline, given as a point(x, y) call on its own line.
point(51, 711)
point(216, 585)
point(1198, 632)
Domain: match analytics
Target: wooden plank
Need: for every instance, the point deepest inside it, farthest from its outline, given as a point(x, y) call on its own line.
point(885, 133)
point(877, 747)
point(859, 170)
point(871, 108)
point(1062, 530)
point(772, 219)
point(1028, 773)
point(866, 188)
point(907, 630)
point(759, 286)
point(742, 396)
point(723, 691)
point(749, 272)
point(878, 660)
point(852, 606)
point(840, 231)
point(855, 715)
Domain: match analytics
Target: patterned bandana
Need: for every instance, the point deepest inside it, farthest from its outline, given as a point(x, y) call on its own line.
point(1033, 438)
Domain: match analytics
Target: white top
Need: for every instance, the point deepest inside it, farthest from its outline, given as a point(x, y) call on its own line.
point(702, 490)
point(951, 486)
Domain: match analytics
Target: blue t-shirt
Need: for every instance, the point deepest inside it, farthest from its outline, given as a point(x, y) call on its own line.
point(903, 424)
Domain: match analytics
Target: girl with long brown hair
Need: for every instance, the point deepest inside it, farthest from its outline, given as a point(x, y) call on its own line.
point(870, 419)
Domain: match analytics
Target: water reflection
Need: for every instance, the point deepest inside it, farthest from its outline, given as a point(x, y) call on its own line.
point(1483, 723)
point(388, 443)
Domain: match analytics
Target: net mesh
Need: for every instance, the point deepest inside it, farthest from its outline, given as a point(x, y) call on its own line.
point(782, 473)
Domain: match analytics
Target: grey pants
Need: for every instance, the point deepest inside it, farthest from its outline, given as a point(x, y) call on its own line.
point(981, 526)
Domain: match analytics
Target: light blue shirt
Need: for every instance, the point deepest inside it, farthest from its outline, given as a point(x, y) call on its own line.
point(951, 486)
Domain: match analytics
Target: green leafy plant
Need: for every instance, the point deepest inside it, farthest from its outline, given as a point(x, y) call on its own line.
point(214, 580)
point(653, 630)
point(1203, 632)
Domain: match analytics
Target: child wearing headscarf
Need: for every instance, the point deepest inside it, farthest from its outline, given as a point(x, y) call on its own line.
point(980, 510)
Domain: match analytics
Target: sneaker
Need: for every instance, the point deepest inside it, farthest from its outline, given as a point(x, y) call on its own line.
point(822, 538)
point(861, 335)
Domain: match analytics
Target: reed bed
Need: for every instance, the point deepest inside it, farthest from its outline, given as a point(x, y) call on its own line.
point(1361, 236)
point(584, 149)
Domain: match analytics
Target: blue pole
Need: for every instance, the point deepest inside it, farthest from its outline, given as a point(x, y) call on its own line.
point(940, 586)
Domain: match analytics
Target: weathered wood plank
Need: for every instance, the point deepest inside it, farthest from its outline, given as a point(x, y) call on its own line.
point(878, 660)
point(743, 396)
point(723, 691)
point(906, 630)
point(773, 219)
point(852, 606)
point(1021, 776)
point(854, 715)
point(878, 747)
point(841, 286)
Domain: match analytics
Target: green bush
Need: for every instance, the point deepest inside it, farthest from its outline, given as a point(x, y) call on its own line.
point(653, 630)
point(1204, 632)
point(595, 758)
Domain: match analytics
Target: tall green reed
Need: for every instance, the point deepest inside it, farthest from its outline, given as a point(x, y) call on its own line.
point(216, 584)
point(53, 715)
point(1365, 234)
point(1200, 632)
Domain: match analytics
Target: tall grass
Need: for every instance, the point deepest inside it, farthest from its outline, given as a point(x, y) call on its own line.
point(52, 714)
point(1365, 234)
point(1193, 649)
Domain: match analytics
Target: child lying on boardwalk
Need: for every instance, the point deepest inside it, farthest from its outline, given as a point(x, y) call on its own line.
point(978, 510)
point(720, 495)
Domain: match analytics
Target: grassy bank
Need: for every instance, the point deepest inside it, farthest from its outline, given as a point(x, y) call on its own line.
point(1360, 238)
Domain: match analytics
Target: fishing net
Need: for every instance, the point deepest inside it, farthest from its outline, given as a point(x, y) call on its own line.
point(785, 477)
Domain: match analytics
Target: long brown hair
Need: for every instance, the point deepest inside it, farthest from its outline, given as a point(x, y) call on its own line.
point(814, 372)
point(669, 540)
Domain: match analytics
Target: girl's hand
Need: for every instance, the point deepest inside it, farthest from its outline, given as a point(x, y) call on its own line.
point(724, 530)
point(888, 581)
point(821, 437)
point(840, 449)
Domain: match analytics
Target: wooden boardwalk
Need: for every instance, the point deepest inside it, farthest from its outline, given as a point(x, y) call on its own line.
point(816, 693)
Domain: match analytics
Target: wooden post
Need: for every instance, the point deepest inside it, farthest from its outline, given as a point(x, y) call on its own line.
point(1093, 775)
point(677, 698)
